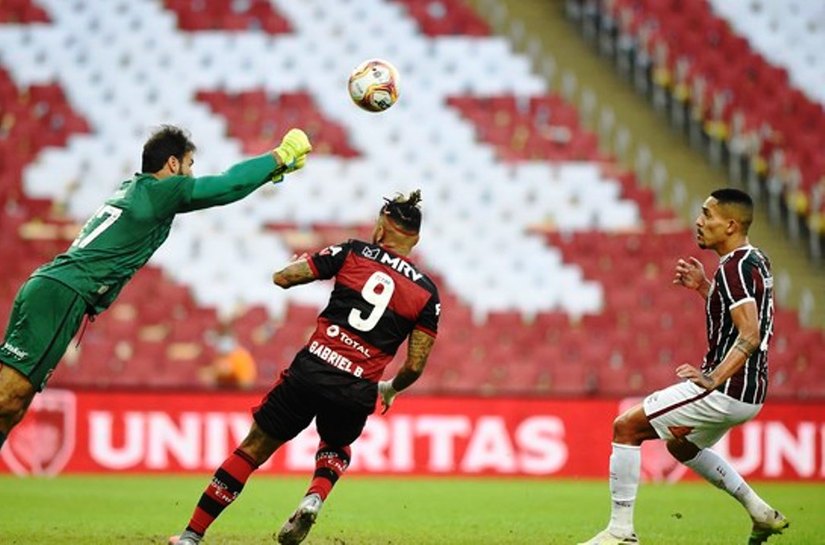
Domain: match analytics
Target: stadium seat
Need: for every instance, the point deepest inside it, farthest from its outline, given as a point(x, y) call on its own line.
point(532, 234)
point(754, 69)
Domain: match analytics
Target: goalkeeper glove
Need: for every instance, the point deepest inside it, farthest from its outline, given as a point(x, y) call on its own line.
point(278, 176)
point(292, 151)
point(387, 393)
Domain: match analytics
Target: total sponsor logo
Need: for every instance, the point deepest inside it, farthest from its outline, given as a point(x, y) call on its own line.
point(335, 332)
point(335, 359)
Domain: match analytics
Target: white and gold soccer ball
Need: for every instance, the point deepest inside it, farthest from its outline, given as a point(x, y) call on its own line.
point(373, 85)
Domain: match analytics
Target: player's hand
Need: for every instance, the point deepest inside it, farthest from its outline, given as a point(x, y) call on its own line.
point(278, 177)
point(690, 273)
point(296, 258)
point(691, 373)
point(293, 151)
point(387, 393)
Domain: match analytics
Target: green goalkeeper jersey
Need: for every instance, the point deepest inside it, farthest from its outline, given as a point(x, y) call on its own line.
point(127, 229)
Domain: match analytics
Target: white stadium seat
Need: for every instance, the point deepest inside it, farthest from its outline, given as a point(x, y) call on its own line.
point(478, 211)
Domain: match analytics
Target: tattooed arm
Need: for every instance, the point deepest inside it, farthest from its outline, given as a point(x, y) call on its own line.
point(418, 350)
point(746, 319)
point(294, 273)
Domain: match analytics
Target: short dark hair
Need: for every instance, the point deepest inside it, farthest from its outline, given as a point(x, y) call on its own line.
point(167, 141)
point(404, 211)
point(736, 197)
point(731, 195)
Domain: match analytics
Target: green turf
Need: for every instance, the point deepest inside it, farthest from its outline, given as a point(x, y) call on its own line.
point(92, 510)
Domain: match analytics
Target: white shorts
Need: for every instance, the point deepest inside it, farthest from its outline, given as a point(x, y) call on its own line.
point(688, 411)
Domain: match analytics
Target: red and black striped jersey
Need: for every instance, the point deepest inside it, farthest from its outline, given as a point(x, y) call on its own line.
point(378, 299)
point(743, 275)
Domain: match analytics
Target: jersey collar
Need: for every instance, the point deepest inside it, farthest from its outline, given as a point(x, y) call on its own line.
point(727, 256)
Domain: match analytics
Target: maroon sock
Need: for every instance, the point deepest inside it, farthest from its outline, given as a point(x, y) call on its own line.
point(330, 463)
point(225, 486)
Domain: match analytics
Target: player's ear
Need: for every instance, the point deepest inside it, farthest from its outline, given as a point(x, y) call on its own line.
point(173, 164)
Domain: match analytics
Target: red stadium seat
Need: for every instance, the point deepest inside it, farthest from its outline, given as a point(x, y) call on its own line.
point(628, 343)
point(571, 379)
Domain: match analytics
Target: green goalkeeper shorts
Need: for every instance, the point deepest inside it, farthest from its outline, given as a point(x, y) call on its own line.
point(45, 316)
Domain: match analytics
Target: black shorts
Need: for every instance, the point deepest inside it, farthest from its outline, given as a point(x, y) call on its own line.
point(290, 406)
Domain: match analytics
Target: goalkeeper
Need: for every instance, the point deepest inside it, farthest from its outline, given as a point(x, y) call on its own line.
point(113, 244)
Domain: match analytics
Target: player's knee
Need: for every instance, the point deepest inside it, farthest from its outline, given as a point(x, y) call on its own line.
point(630, 428)
point(16, 392)
point(682, 450)
point(621, 427)
point(673, 449)
point(259, 445)
point(12, 405)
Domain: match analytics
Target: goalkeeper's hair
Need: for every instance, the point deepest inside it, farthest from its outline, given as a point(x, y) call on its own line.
point(404, 211)
point(739, 202)
point(167, 141)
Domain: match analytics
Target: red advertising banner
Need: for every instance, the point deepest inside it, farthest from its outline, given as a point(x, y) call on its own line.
point(68, 431)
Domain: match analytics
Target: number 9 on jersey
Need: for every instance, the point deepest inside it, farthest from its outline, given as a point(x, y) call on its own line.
point(377, 291)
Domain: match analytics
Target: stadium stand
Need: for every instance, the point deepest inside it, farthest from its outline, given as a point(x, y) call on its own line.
point(554, 263)
point(748, 82)
point(231, 16)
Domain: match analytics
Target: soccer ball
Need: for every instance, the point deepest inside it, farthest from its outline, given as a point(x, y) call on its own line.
point(373, 85)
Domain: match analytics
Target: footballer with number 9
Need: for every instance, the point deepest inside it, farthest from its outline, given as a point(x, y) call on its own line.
point(380, 299)
point(113, 244)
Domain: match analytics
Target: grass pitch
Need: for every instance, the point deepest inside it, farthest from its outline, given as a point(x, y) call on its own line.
point(145, 509)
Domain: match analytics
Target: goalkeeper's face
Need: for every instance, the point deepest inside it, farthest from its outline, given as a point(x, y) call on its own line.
point(184, 168)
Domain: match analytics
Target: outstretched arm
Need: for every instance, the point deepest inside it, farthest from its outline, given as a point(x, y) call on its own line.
point(294, 273)
point(418, 350)
point(247, 176)
point(234, 184)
